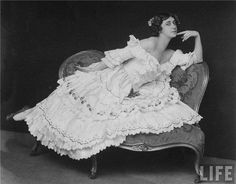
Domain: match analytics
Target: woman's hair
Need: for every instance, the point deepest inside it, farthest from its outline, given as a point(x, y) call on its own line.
point(155, 22)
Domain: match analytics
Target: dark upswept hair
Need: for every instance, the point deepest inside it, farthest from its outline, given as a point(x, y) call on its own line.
point(156, 21)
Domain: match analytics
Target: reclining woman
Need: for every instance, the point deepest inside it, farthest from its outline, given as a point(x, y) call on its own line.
point(93, 109)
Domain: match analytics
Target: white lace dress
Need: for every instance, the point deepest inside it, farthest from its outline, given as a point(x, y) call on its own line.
point(91, 111)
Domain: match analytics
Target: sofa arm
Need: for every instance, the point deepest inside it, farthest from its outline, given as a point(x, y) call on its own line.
point(191, 83)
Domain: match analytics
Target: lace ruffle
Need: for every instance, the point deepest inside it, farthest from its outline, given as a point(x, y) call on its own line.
point(81, 138)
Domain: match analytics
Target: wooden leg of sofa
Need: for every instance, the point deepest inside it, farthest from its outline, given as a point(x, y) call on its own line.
point(93, 171)
point(197, 167)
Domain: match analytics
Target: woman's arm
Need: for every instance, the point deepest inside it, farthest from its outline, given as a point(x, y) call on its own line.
point(147, 44)
point(197, 46)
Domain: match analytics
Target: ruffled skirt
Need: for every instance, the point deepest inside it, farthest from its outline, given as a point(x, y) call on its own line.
point(82, 116)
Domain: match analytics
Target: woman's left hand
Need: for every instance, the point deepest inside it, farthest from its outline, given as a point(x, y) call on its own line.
point(188, 34)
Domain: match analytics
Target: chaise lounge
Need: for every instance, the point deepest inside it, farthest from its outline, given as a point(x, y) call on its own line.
point(191, 85)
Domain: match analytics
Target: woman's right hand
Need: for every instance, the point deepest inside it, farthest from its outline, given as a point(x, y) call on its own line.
point(187, 34)
point(196, 55)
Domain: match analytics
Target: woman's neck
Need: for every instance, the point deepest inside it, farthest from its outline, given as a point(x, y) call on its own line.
point(162, 43)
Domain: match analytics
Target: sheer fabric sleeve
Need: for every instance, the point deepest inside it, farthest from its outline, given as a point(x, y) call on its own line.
point(116, 57)
point(184, 60)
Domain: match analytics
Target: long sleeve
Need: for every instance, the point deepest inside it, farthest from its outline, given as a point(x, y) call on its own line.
point(184, 60)
point(190, 58)
point(180, 59)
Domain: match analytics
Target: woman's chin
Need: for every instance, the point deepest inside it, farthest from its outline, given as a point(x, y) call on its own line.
point(173, 35)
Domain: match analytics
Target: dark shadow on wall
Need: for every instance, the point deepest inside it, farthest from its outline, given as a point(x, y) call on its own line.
point(36, 37)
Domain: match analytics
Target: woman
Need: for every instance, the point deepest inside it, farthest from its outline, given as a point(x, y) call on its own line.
point(94, 109)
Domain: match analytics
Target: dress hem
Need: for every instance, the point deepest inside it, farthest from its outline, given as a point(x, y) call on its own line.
point(55, 140)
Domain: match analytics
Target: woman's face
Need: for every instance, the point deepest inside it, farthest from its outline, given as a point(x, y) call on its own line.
point(169, 27)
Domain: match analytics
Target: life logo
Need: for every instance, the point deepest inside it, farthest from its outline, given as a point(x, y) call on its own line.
point(217, 173)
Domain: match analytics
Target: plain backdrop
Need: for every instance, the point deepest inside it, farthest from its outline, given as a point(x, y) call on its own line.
point(36, 37)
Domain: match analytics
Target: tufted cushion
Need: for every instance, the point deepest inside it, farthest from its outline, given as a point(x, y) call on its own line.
point(191, 84)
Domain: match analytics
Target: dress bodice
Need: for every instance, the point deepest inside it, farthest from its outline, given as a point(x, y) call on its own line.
point(147, 68)
point(141, 71)
point(131, 71)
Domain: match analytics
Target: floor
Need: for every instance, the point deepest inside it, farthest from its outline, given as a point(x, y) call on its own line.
point(115, 165)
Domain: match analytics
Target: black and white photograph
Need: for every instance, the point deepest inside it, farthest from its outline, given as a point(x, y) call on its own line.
point(118, 92)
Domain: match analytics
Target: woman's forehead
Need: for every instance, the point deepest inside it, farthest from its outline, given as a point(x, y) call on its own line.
point(169, 19)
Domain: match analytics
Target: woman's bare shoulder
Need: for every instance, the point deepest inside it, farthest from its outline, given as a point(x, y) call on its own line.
point(147, 43)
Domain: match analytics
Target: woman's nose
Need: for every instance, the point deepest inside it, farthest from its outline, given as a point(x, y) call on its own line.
point(174, 26)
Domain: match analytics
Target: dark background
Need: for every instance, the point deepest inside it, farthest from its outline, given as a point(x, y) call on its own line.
point(37, 36)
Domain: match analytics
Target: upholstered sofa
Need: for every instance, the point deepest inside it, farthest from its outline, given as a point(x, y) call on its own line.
point(191, 85)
